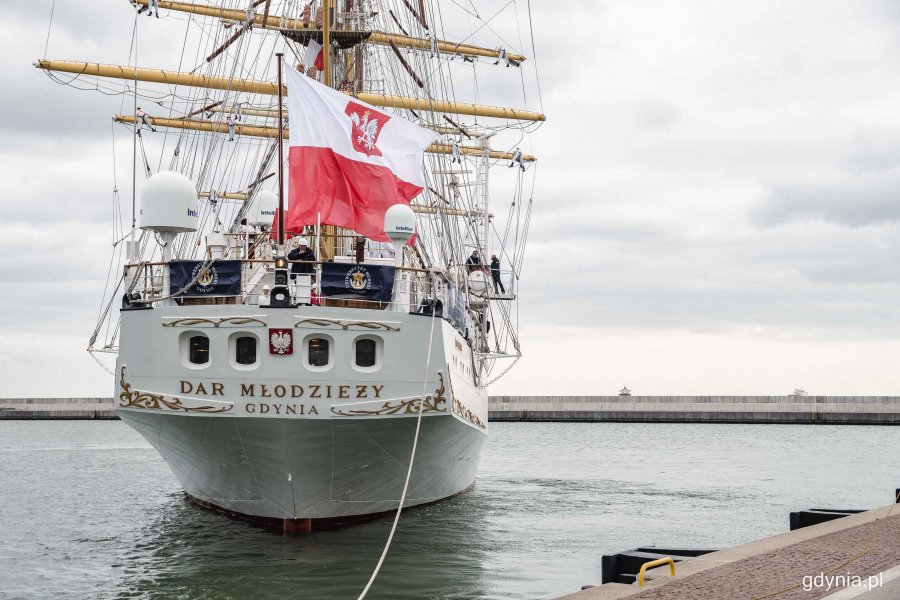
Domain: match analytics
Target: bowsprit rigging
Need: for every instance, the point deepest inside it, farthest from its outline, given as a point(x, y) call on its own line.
point(402, 135)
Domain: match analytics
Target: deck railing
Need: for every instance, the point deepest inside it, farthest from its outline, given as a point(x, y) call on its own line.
point(148, 283)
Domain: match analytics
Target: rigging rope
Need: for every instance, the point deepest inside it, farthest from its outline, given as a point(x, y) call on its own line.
point(49, 27)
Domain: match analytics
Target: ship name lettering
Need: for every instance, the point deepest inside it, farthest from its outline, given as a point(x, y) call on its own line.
point(279, 409)
point(218, 389)
point(268, 390)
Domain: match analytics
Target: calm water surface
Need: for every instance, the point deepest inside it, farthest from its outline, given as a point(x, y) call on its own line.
point(89, 510)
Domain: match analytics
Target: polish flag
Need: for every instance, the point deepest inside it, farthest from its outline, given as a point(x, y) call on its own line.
point(349, 162)
point(313, 55)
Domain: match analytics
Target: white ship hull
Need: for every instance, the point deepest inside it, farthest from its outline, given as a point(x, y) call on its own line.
point(281, 441)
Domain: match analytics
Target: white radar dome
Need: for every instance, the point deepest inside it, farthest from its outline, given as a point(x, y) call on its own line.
point(169, 203)
point(262, 211)
point(400, 223)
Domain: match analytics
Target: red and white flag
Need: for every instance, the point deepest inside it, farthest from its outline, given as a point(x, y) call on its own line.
point(313, 55)
point(349, 162)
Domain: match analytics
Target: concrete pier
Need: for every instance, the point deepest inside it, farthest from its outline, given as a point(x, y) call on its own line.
point(833, 410)
point(789, 566)
point(57, 408)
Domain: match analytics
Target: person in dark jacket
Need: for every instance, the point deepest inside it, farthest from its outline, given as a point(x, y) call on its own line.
point(474, 261)
point(304, 253)
point(495, 273)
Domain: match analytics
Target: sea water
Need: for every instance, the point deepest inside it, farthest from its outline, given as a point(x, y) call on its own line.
point(89, 510)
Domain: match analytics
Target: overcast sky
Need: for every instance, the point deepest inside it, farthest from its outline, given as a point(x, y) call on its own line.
point(717, 208)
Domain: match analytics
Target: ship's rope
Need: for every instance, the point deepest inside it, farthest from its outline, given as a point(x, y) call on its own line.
point(412, 458)
point(49, 27)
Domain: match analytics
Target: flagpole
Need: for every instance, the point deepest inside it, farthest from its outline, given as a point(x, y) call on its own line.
point(326, 43)
point(280, 56)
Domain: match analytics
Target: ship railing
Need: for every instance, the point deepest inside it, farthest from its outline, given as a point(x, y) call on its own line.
point(148, 284)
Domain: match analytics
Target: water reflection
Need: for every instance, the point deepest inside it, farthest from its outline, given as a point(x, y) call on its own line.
point(186, 551)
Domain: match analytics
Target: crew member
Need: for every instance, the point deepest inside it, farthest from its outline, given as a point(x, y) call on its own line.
point(455, 153)
point(301, 252)
point(495, 273)
point(144, 120)
point(502, 57)
point(230, 122)
point(517, 159)
point(474, 261)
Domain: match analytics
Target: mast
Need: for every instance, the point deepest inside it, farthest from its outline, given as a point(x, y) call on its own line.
point(280, 56)
point(482, 193)
point(326, 42)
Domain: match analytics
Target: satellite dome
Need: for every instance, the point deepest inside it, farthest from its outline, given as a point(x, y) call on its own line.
point(400, 223)
point(169, 203)
point(262, 211)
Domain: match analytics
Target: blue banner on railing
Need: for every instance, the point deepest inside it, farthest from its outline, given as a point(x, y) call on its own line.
point(217, 278)
point(372, 282)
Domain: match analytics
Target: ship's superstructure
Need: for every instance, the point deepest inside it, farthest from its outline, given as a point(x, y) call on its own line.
point(279, 363)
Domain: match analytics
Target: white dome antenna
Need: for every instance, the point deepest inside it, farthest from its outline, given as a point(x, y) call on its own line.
point(169, 207)
point(262, 211)
point(399, 226)
point(169, 203)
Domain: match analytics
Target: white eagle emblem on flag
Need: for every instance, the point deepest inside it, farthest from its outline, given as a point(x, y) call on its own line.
point(366, 125)
point(368, 130)
point(281, 341)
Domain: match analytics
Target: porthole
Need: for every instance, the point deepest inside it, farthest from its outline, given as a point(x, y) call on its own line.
point(243, 351)
point(318, 352)
point(367, 353)
point(194, 349)
point(198, 350)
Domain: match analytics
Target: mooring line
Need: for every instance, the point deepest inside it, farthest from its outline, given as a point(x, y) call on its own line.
point(412, 458)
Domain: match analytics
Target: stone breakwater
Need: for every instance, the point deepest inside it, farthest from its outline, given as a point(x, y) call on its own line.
point(57, 408)
point(833, 410)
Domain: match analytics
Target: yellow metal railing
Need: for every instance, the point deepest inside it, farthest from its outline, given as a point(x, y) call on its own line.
point(655, 563)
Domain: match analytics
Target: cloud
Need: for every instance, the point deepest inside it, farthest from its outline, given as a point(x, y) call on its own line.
point(854, 200)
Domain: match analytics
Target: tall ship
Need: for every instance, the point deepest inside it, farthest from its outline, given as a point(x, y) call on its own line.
point(317, 265)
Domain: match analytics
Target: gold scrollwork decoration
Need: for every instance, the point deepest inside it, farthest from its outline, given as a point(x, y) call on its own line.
point(136, 399)
point(460, 410)
point(195, 321)
point(467, 414)
point(431, 403)
point(372, 325)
